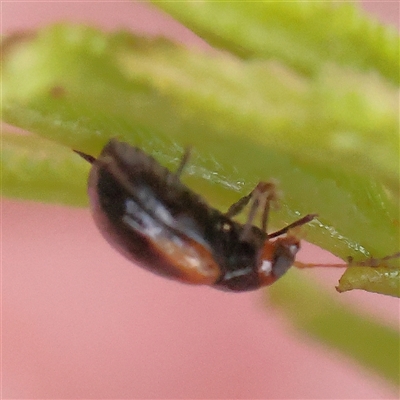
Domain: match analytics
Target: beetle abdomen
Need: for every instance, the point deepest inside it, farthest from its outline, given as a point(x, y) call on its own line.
point(137, 214)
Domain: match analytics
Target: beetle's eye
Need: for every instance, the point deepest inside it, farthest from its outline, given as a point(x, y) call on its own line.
point(284, 256)
point(276, 258)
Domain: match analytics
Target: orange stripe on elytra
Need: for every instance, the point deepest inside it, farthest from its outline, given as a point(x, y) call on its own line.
point(191, 261)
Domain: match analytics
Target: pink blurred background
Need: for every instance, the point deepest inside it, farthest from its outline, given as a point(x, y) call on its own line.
point(79, 321)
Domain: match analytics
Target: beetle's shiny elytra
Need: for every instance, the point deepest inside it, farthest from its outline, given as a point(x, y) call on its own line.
point(151, 217)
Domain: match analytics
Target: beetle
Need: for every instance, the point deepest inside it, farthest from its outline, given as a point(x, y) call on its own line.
point(146, 213)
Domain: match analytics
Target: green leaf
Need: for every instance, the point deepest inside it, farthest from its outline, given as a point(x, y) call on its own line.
point(34, 168)
point(382, 279)
point(304, 35)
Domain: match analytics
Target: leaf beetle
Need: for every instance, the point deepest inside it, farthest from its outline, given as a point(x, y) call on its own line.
point(146, 212)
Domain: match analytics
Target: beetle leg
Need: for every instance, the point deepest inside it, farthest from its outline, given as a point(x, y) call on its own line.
point(183, 162)
point(261, 196)
point(258, 191)
point(237, 207)
point(250, 218)
point(265, 214)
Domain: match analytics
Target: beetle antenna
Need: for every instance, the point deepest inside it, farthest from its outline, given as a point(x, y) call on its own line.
point(370, 262)
point(87, 157)
point(302, 221)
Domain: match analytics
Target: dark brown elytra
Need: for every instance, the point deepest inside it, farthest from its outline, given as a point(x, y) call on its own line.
point(151, 217)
